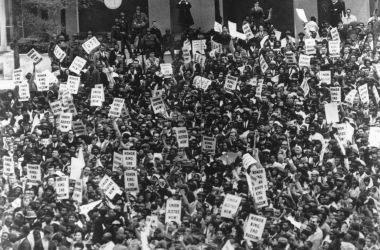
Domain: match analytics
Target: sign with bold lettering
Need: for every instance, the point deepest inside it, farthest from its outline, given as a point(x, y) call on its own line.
point(41, 82)
point(79, 128)
point(247, 31)
point(230, 206)
point(109, 187)
point(96, 97)
point(166, 68)
point(116, 107)
point(173, 211)
point(78, 191)
point(254, 228)
point(310, 46)
point(199, 46)
point(158, 105)
point(304, 61)
point(350, 97)
point(56, 107)
point(65, 120)
point(62, 187)
point(17, 76)
point(334, 48)
point(248, 160)
point(35, 56)
point(131, 183)
point(335, 94)
point(208, 144)
point(263, 64)
point(59, 53)
point(73, 84)
point(363, 93)
point(325, 76)
point(130, 158)
point(77, 65)
point(33, 172)
point(182, 137)
point(23, 92)
point(260, 196)
point(231, 83)
point(90, 44)
point(8, 165)
point(335, 34)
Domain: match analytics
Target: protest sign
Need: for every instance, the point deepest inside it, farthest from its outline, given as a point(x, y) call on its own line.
point(90, 44)
point(117, 163)
point(363, 93)
point(247, 31)
point(325, 76)
point(231, 83)
point(158, 105)
point(201, 59)
point(79, 128)
point(173, 211)
point(199, 46)
point(96, 97)
point(332, 114)
point(259, 88)
point(59, 53)
point(182, 137)
point(334, 48)
point(232, 28)
point(304, 61)
point(202, 83)
point(376, 94)
point(33, 172)
point(23, 92)
point(186, 56)
point(260, 196)
point(218, 27)
point(56, 107)
point(259, 177)
point(73, 84)
point(110, 188)
point(116, 107)
point(77, 65)
point(248, 160)
point(335, 34)
point(373, 138)
point(305, 87)
point(62, 187)
point(218, 47)
point(65, 120)
point(254, 228)
point(350, 97)
point(301, 15)
point(100, 86)
point(8, 166)
point(41, 82)
point(130, 158)
point(208, 144)
point(263, 64)
point(131, 183)
point(230, 206)
point(290, 58)
point(35, 56)
point(18, 76)
point(335, 94)
point(166, 68)
point(78, 191)
point(310, 46)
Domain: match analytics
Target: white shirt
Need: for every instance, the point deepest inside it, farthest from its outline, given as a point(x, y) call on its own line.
point(349, 19)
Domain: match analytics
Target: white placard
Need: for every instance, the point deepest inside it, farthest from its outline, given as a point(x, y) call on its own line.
point(232, 28)
point(186, 56)
point(158, 105)
point(374, 137)
point(304, 61)
point(131, 183)
point(230, 83)
point(41, 82)
point(100, 86)
point(62, 187)
point(199, 46)
point(259, 88)
point(335, 94)
point(334, 48)
point(59, 53)
point(290, 58)
point(310, 46)
point(109, 187)
point(218, 27)
point(166, 68)
point(96, 97)
point(350, 97)
point(263, 64)
point(260, 196)
point(325, 76)
point(65, 120)
point(305, 87)
point(79, 128)
point(208, 144)
point(8, 166)
point(35, 56)
point(248, 160)
point(182, 137)
point(363, 93)
point(130, 158)
point(230, 206)
point(73, 83)
point(376, 94)
point(202, 82)
point(91, 44)
point(56, 107)
point(173, 211)
point(116, 107)
point(247, 31)
point(199, 58)
point(254, 228)
point(18, 76)
point(335, 34)
point(23, 92)
point(117, 163)
point(77, 65)
point(78, 192)
point(33, 172)
point(332, 113)
point(259, 177)
point(301, 15)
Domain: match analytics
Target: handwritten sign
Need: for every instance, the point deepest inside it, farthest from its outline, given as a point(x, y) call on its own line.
point(230, 206)
point(77, 65)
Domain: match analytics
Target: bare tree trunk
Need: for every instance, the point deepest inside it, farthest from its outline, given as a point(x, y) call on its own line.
point(16, 9)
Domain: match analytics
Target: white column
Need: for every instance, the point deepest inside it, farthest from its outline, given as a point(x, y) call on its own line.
point(3, 29)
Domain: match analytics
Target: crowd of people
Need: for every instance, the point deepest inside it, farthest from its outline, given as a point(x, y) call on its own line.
point(241, 106)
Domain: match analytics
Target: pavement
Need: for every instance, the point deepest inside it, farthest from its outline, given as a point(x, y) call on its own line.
point(6, 67)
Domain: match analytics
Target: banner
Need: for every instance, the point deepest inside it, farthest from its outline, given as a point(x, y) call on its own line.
point(230, 206)
point(230, 83)
point(304, 61)
point(310, 46)
point(90, 44)
point(59, 53)
point(158, 105)
point(208, 144)
point(96, 97)
point(131, 183)
point(363, 93)
point(18, 76)
point(335, 94)
point(41, 82)
point(33, 172)
point(77, 65)
point(173, 211)
point(73, 83)
point(62, 187)
point(166, 69)
point(65, 121)
point(332, 113)
point(35, 56)
point(130, 158)
point(182, 137)
point(23, 92)
point(325, 77)
point(254, 228)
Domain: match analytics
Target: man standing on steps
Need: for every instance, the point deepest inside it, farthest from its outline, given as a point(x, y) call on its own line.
point(337, 9)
